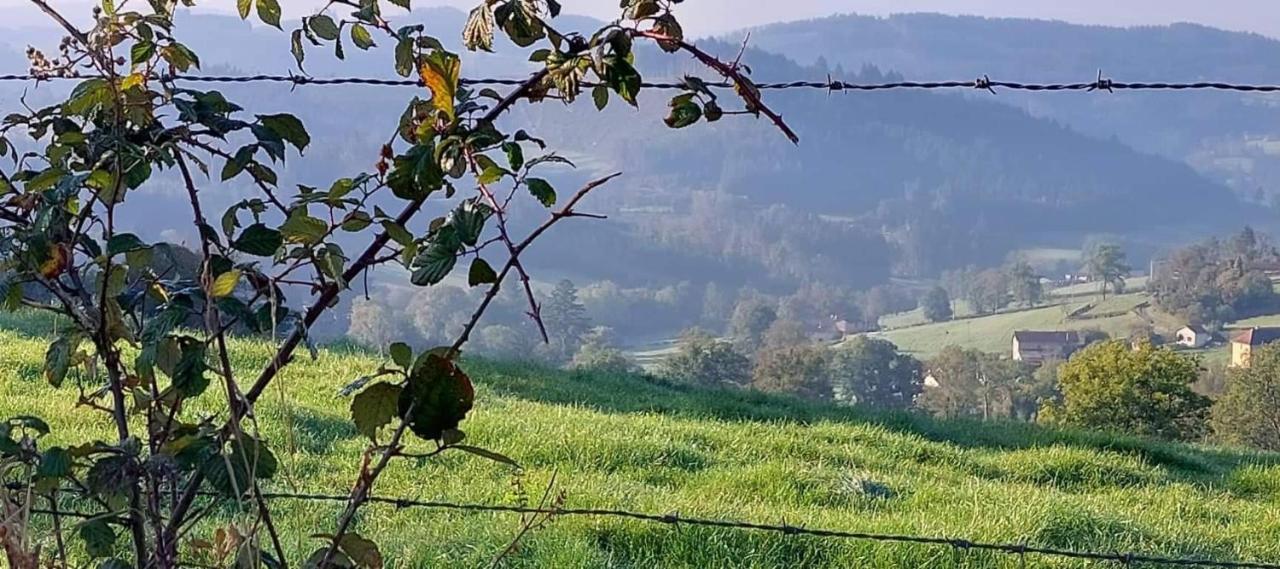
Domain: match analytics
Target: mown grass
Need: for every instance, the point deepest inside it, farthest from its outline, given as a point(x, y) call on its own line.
point(623, 441)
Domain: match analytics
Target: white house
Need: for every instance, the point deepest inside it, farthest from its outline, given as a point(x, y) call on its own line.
point(1193, 337)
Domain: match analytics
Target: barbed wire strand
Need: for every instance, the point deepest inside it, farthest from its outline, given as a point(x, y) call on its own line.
point(675, 519)
point(983, 83)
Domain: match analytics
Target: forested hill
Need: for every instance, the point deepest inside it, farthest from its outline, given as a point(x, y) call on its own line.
point(1225, 135)
point(916, 182)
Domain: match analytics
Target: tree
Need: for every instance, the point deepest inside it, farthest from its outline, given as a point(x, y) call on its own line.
point(974, 384)
point(504, 343)
point(371, 325)
point(1248, 412)
point(752, 316)
point(597, 353)
point(185, 437)
point(1105, 263)
point(1024, 284)
point(793, 370)
point(1144, 391)
point(566, 320)
point(871, 372)
point(437, 313)
point(702, 359)
point(936, 305)
point(990, 292)
point(785, 332)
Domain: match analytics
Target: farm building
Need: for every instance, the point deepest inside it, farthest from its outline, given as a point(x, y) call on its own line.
point(1036, 347)
point(1242, 344)
point(1193, 337)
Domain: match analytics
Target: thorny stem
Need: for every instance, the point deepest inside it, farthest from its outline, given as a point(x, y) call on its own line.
point(731, 71)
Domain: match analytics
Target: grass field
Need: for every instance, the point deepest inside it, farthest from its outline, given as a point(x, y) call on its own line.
point(636, 443)
point(994, 333)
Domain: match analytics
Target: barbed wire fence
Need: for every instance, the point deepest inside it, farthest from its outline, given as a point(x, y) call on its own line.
point(984, 83)
point(1020, 550)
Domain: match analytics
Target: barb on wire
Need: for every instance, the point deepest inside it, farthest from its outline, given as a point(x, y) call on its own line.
point(1101, 83)
point(1021, 549)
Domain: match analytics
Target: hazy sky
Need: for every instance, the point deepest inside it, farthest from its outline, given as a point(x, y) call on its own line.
point(714, 16)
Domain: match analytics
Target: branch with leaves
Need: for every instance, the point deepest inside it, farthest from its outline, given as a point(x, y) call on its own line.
point(149, 322)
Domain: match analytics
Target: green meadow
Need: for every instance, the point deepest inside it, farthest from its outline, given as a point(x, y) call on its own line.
point(636, 443)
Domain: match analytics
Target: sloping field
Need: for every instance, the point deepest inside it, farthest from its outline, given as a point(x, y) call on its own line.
point(634, 443)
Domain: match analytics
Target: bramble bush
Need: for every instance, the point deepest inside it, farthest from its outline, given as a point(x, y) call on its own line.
point(145, 342)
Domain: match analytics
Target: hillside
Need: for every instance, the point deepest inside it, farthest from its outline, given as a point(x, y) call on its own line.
point(923, 181)
point(1222, 135)
point(633, 443)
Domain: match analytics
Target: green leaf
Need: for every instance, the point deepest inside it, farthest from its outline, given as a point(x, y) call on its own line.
point(303, 229)
point(542, 190)
point(437, 397)
point(600, 95)
point(487, 454)
point(141, 52)
point(324, 27)
point(515, 155)
point(397, 233)
point(189, 379)
point(404, 57)
point(481, 273)
point(360, 36)
point(401, 354)
point(237, 163)
point(54, 463)
point(99, 538)
point(243, 7)
point(468, 221)
point(57, 360)
point(375, 407)
point(259, 240)
point(124, 243)
point(289, 128)
point(269, 12)
point(684, 112)
point(433, 264)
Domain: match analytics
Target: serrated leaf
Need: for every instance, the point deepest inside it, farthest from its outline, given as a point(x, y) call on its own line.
point(436, 398)
point(124, 243)
point(57, 360)
point(259, 240)
point(542, 190)
point(374, 408)
point(225, 284)
point(433, 264)
point(481, 273)
point(303, 229)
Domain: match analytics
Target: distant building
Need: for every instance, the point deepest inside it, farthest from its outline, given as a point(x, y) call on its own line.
point(1242, 344)
point(1036, 347)
point(1193, 337)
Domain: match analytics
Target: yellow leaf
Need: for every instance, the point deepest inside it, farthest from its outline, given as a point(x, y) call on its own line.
point(439, 72)
point(225, 284)
point(133, 80)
